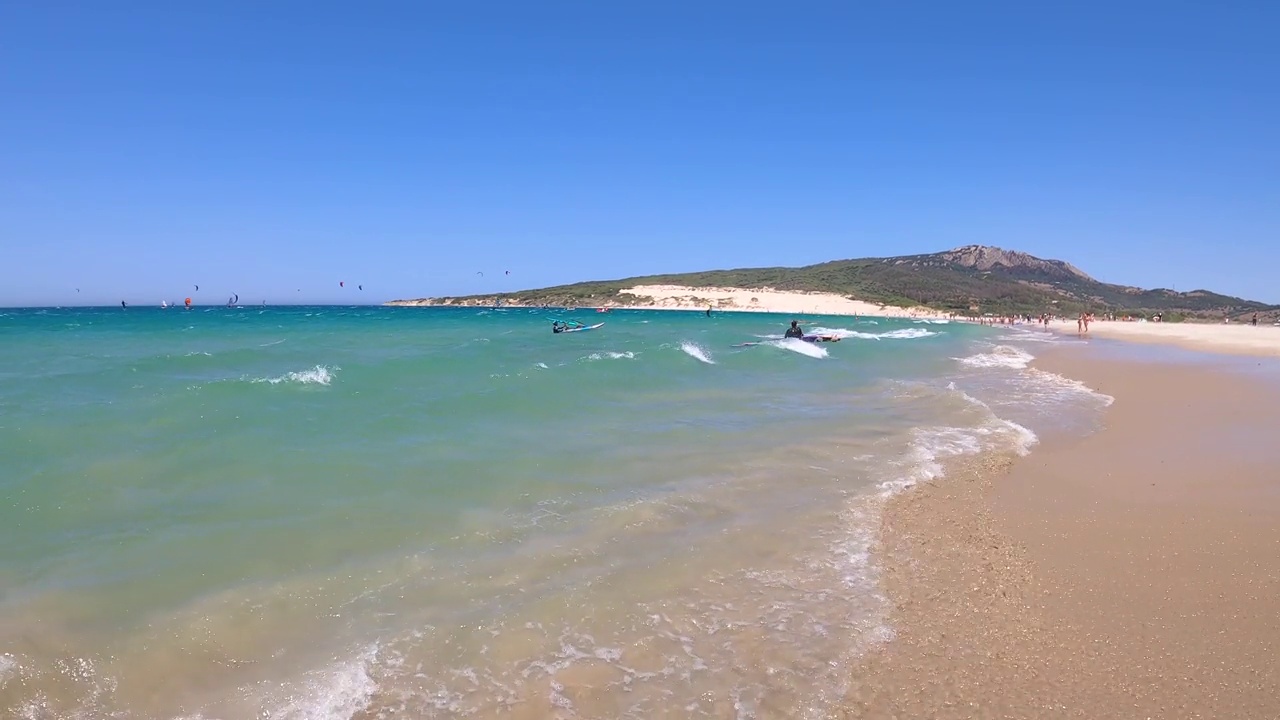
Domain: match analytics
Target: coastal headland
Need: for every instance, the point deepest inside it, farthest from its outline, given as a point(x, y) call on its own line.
point(974, 281)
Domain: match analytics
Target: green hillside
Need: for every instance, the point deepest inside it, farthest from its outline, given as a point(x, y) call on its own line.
point(970, 280)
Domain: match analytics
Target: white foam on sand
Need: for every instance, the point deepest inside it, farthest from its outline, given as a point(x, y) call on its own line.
point(1054, 386)
point(8, 668)
point(339, 692)
point(931, 446)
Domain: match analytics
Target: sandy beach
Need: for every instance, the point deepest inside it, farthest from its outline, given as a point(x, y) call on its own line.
point(1134, 573)
point(1237, 338)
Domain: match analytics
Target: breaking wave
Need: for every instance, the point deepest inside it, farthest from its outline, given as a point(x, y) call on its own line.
point(697, 352)
point(318, 375)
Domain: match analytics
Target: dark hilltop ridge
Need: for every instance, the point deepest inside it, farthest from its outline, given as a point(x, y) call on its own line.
point(970, 280)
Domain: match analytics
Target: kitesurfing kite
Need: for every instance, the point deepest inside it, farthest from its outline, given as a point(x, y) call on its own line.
point(508, 272)
point(480, 273)
point(342, 283)
point(197, 288)
point(361, 287)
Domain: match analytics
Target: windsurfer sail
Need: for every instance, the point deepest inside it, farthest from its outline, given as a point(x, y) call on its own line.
point(559, 326)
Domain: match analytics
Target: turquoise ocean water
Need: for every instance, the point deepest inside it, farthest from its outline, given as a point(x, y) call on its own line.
point(329, 512)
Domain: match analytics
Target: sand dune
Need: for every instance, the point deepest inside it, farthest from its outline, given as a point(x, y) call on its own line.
point(677, 297)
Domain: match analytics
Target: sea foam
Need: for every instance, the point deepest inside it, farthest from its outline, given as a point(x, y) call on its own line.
point(1001, 356)
point(340, 692)
point(899, 334)
point(318, 375)
point(697, 352)
point(800, 346)
point(610, 356)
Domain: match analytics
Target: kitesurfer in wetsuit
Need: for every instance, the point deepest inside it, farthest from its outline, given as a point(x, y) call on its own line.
point(795, 330)
point(708, 312)
point(556, 327)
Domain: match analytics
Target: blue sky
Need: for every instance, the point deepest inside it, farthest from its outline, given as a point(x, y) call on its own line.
point(263, 148)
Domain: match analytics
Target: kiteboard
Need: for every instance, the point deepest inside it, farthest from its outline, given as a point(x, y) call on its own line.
point(580, 329)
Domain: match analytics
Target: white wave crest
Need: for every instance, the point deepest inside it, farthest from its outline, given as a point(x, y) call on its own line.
point(907, 334)
point(900, 334)
point(1002, 356)
point(318, 375)
point(800, 346)
point(610, 356)
point(697, 352)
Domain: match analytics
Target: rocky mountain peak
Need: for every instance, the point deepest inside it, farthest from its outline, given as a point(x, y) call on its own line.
point(984, 257)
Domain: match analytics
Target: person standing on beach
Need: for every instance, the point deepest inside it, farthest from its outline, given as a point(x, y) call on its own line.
point(1254, 321)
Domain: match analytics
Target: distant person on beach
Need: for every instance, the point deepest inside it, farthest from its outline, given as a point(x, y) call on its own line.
point(1254, 321)
point(795, 331)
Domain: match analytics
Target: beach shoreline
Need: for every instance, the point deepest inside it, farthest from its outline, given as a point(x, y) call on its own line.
point(1131, 573)
point(1233, 338)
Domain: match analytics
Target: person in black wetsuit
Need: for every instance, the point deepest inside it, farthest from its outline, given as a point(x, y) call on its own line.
point(795, 331)
point(557, 327)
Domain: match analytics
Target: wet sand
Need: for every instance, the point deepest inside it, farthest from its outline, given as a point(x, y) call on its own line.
point(1131, 574)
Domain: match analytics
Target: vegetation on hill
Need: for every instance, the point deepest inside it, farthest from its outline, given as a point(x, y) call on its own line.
point(972, 280)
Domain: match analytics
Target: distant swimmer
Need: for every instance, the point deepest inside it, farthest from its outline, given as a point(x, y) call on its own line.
point(124, 304)
point(708, 312)
point(795, 331)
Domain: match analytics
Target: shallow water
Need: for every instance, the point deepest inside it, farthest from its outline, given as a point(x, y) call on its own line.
point(366, 512)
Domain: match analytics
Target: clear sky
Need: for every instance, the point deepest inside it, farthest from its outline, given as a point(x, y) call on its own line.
point(273, 149)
